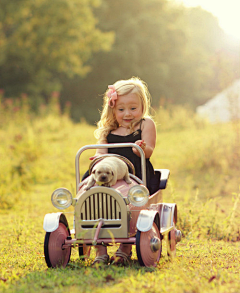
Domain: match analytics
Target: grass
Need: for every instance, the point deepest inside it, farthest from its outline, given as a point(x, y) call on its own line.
point(201, 265)
point(37, 155)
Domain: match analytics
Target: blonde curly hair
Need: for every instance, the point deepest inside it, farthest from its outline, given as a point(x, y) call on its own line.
point(108, 121)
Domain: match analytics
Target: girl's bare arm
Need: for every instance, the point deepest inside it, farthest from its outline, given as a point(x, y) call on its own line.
point(148, 141)
point(100, 152)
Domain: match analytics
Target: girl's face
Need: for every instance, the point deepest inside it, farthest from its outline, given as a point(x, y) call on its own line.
point(128, 109)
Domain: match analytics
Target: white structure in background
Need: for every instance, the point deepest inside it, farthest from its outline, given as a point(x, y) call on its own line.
point(224, 107)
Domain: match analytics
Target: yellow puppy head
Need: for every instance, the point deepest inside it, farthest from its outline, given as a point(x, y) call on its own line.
point(103, 174)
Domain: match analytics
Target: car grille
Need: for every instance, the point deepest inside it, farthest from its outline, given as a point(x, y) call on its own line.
point(100, 206)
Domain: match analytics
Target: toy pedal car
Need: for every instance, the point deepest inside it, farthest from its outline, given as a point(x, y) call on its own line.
point(123, 213)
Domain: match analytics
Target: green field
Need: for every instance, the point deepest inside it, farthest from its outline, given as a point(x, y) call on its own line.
point(37, 154)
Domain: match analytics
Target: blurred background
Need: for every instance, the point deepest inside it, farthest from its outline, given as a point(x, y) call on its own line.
point(58, 57)
point(72, 49)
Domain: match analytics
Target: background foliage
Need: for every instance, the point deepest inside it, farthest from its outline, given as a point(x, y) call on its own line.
point(37, 155)
point(78, 47)
point(53, 52)
point(43, 41)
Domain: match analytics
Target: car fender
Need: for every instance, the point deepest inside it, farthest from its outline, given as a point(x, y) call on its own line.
point(51, 221)
point(145, 220)
point(168, 215)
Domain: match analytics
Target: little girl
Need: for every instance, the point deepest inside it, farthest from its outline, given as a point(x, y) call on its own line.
point(125, 118)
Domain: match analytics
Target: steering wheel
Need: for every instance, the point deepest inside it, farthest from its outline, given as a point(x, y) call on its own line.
point(99, 158)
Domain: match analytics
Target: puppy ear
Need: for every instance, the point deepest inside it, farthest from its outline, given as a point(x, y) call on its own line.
point(112, 173)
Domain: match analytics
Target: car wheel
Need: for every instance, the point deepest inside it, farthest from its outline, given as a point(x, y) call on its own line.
point(149, 246)
point(55, 255)
point(171, 241)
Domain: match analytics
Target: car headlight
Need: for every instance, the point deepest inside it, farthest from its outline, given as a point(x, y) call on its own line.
point(61, 198)
point(138, 195)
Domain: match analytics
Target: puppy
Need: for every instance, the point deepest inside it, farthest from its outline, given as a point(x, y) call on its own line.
point(107, 172)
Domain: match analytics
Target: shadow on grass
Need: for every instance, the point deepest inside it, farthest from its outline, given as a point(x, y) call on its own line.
point(81, 276)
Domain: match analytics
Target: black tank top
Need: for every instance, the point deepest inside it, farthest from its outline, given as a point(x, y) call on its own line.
point(129, 154)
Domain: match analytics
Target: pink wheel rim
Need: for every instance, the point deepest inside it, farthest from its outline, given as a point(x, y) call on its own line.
point(57, 255)
point(149, 257)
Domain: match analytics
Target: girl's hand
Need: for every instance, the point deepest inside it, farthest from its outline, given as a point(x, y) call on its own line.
point(99, 153)
point(92, 158)
point(142, 144)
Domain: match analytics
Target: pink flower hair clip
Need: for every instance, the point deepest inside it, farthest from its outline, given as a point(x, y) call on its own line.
point(112, 95)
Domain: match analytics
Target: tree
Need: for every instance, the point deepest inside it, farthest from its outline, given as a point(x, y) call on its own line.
point(171, 47)
point(43, 41)
point(148, 41)
point(204, 39)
